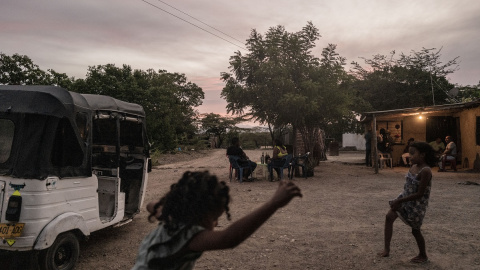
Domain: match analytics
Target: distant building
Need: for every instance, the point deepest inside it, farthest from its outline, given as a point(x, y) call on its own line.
point(459, 120)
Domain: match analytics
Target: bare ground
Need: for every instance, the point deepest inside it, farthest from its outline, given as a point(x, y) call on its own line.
point(338, 224)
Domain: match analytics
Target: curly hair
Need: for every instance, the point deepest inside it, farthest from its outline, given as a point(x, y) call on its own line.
point(426, 148)
point(191, 199)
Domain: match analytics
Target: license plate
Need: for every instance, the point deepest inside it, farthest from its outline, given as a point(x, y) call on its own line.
point(11, 230)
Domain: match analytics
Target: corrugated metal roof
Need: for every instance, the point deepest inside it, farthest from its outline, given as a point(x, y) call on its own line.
point(419, 110)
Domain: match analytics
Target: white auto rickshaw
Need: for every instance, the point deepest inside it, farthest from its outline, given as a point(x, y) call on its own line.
point(70, 164)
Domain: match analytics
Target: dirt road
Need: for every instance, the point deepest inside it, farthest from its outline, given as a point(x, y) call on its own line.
point(338, 224)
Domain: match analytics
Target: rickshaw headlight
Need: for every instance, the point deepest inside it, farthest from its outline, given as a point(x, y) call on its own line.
point(14, 208)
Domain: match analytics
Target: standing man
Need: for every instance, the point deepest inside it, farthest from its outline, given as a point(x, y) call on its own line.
point(449, 154)
point(368, 148)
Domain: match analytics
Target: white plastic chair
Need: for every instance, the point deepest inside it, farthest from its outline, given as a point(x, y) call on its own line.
point(383, 158)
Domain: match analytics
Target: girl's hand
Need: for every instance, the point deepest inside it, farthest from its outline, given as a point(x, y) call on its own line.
point(285, 192)
point(156, 212)
point(395, 205)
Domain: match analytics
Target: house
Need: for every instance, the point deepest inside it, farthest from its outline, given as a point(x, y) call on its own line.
point(459, 120)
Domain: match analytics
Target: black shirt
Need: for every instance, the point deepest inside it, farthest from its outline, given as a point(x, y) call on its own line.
point(235, 151)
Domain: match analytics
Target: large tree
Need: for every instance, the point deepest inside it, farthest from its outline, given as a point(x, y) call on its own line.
point(414, 80)
point(280, 82)
point(275, 65)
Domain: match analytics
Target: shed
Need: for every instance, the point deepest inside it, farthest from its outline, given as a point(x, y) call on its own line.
point(459, 120)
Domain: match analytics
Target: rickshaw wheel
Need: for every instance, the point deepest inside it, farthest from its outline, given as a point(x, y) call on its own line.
point(62, 255)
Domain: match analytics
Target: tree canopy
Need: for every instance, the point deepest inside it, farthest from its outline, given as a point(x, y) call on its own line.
point(282, 83)
point(20, 69)
point(414, 80)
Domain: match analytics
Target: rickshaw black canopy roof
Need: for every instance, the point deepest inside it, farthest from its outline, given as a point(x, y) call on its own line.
point(57, 101)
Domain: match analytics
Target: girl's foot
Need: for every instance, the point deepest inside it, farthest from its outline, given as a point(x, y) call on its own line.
point(419, 259)
point(383, 254)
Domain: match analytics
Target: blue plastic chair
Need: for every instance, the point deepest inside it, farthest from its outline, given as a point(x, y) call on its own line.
point(287, 164)
point(300, 161)
point(235, 166)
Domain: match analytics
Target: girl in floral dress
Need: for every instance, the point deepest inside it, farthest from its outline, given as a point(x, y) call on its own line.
point(412, 203)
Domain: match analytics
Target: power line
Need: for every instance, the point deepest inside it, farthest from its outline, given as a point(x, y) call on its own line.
point(201, 21)
point(155, 6)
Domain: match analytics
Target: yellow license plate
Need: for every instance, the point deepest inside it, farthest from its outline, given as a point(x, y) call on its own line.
point(11, 230)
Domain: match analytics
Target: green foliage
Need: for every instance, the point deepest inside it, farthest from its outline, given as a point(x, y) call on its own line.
point(255, 138)
point(20, 70)
point(274, 67)
point(467, 93)
point(414, 80)
point(282, 83)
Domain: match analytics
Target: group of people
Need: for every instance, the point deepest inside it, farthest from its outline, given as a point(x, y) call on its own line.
point(189, 212)
point(278, 158)
point(443, 153)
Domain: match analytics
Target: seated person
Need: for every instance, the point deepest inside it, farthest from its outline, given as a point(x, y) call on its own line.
point(278, 157)
point(244, 161)
point(381, 141)
point(385, 141)
point(438, 146)
point(406, 152)
point(449, 154)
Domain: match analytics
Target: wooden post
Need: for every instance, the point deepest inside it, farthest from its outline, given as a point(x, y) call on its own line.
point(374, 146)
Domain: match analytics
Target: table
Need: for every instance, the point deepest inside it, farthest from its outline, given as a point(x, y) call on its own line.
point(264, 170)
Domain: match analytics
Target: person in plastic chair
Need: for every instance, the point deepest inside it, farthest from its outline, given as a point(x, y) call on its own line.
point(236, 150)
point(384, 142)
point(438, 146)
point(449, 154)
point(406, 153)
point(278, 157)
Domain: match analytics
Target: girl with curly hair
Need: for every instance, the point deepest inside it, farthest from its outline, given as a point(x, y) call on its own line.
point(188, 214)
point(412, 203)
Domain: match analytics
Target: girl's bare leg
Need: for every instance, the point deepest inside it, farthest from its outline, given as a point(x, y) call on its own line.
point(422, 255)
point(389, 219)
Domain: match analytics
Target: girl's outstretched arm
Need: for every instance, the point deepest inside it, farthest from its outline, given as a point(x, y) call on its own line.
point(246, 226)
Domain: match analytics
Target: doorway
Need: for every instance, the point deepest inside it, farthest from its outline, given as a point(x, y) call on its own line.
point(443, 126)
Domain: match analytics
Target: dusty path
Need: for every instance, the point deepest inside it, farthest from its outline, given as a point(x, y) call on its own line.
point(338, 224)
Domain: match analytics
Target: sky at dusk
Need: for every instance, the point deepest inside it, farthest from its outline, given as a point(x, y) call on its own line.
point(177, 36)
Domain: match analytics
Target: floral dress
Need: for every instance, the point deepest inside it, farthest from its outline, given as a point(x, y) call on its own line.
point(413, 212)
point(160, 250)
